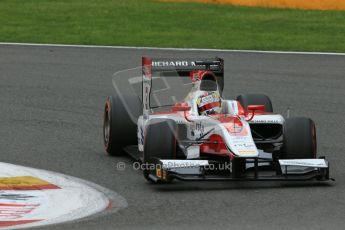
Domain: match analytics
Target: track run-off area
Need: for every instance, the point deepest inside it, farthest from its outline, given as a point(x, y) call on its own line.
point(294, 4)
point(52, 100)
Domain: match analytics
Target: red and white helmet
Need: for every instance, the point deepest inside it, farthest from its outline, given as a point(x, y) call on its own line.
point(209, 103)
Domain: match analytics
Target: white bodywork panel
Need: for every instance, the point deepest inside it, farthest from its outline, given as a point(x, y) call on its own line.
point(268, 119)
point(193, 152)
point(169, 164)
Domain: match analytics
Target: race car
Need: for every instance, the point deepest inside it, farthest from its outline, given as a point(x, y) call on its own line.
point(205, 136)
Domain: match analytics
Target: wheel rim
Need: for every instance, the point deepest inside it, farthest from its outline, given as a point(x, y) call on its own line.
point(106, 128)
point(314, 141)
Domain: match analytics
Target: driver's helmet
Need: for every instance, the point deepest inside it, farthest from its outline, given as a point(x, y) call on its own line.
point(209, 103)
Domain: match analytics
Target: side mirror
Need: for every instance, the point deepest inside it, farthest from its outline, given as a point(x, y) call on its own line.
point(182, 107)
point(253, 108)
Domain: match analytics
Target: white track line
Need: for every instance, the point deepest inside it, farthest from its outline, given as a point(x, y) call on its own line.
point(172, 49)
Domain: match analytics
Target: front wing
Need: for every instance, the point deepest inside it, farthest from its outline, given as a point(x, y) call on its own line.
point(288, 170)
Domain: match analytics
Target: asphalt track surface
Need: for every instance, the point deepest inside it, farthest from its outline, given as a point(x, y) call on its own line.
point(51, 112)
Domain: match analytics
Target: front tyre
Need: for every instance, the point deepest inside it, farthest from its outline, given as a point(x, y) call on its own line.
point(160, 143)
point(238, 167)
point(299, 139)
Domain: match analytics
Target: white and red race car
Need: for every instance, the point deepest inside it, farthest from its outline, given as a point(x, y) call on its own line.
point(204, 136)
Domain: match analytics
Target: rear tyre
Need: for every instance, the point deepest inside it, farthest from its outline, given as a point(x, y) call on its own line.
point(255, 99)
point(120, 124)
point(299, 139)
point(160, 143)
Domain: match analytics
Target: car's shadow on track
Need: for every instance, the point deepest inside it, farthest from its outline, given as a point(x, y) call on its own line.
point(210, 186)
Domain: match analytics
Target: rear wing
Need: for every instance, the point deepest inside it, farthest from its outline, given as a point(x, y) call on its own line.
point(181, 66)
point(187, 64)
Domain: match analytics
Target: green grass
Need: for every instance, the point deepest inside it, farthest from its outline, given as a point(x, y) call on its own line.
point(149, 23)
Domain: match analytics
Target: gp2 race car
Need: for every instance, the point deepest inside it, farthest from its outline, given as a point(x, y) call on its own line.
point(204, 136)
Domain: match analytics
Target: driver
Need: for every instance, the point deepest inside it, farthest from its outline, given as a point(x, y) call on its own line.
point(209, 103)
